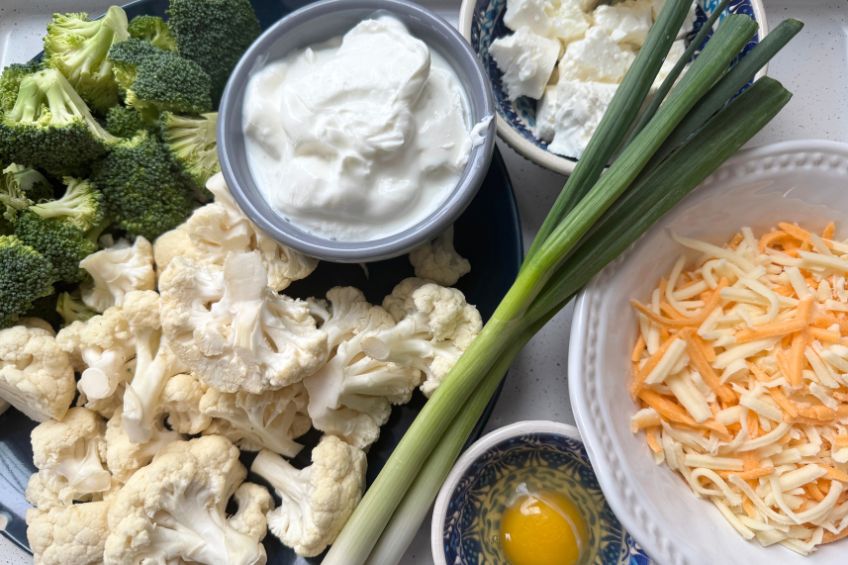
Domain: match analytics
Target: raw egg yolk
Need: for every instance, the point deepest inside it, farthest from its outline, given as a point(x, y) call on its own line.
point(543, 529)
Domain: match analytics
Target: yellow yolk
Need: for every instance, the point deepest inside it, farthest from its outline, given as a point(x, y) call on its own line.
point(543, 529)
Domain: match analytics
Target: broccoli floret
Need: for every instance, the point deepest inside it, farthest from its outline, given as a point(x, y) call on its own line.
point(145, 192)
point(50, 127)
point(192, 142)
point(10, 81)
point(33, 184)
point(12, 199)
point(78, 48)
point(214, 34)
point(123, 121)
point(155, 80)
point(153, 29)
point(60, 242)
point(81, 205)
point(25, 276)
point(71, 308)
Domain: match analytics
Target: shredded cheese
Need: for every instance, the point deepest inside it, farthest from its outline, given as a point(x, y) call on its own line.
point(741, 375)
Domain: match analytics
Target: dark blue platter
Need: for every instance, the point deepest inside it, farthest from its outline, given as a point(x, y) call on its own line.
point(488, 234)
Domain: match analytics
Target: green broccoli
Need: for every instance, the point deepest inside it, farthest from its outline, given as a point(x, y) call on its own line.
point(50, 127)
point(123, 121)
point(145, 191)
point(25, 276)
point(81, 205)
point(192, 142)
point(63, 244)
point(78, 48)
point(214, 34)
point(155, 80)
point(33, 184)
point(10, 82)
point(153, 29)
point(71, 308)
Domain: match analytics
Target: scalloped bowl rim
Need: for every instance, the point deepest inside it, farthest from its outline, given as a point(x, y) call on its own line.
point(628, 495)
point(471, 455)
point(534, 153)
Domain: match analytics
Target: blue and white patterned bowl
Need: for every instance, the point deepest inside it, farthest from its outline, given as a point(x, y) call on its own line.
point(470, 501)
point(481, 22)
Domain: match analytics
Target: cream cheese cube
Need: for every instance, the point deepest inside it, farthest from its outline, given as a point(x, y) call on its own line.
point(556, 19)
point(596, 57)
point(626, 22)
point(570, 112)
point(688, 22)
point(526, 60)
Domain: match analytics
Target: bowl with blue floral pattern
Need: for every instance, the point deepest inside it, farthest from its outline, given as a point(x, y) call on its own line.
point(470, 511)
point(482, 21)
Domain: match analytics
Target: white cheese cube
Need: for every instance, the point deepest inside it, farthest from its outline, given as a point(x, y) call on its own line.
point(526, 60)
point(626, 22)
point(596, 57)
point(688, 22)
point(570, 112)
point(556, 19)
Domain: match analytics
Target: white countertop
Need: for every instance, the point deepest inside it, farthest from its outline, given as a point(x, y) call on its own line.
point(813, 67)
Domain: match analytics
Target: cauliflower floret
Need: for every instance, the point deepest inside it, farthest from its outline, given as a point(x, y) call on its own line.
point(68, 535)
point(174, 510)
point(316, 500)
point(217, 229)
point(232, 331)
point(270, 420)
point(101, 347)
point(352, 394)
point(434, 327)
point(36, 376)
point(181, 402)
point(173, 243)
point(438, 260)
point(343, 314)
point(117, 270)
point(154, 365)
point(72, 451)
point(123, 456)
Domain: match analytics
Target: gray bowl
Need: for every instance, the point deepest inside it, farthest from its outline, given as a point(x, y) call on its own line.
point(320, 22)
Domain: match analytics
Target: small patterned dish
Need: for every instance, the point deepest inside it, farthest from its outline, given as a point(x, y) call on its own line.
point(547, 454)
point(481, 22)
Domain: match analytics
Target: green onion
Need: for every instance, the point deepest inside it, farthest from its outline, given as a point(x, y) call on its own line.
point(620, 115)
point(564, 257)
point(681, 63)
point(734, 80)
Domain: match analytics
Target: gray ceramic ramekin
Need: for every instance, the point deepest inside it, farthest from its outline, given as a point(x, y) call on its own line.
point(316, 23)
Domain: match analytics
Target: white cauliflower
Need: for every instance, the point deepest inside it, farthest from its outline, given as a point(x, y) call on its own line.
point(173, 243)
point(36, 376)
point(217, 229)
point(174, 510)
point(68, 535)
point(316, 500)
point(439, 261)
point(100, 348)
point(123, 456)
point(117, 270)
point(232, 331)
point(154, 365)
point(352, 394)
point(271, 420)
point(181, 402)
point(69, 455)
point(434, 327)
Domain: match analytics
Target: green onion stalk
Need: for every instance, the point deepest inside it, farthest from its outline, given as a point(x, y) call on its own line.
point(595, 218)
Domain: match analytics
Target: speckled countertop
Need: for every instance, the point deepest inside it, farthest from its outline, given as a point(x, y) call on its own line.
point(814, 68)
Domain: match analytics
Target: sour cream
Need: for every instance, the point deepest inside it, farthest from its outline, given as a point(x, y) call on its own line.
point(360, 137)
